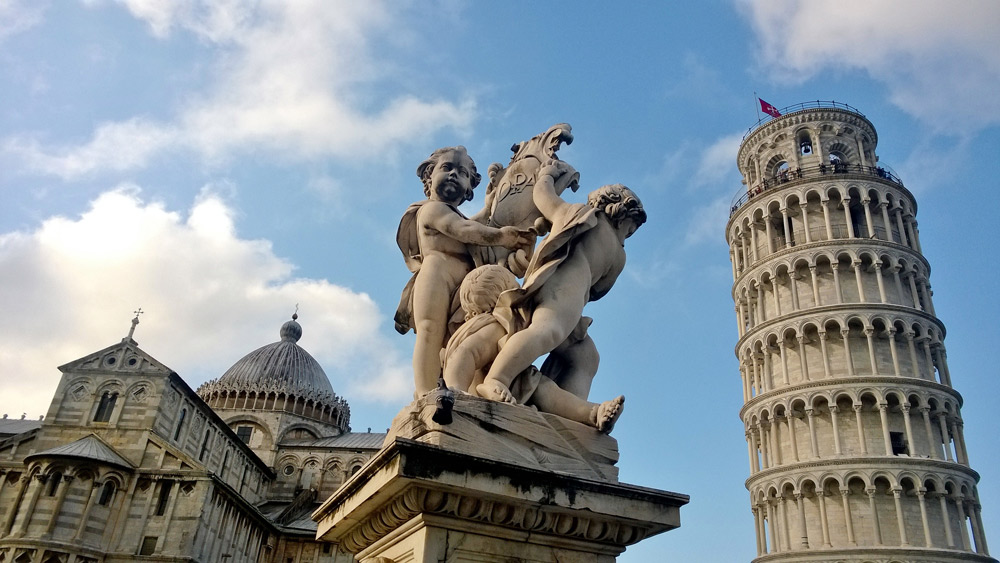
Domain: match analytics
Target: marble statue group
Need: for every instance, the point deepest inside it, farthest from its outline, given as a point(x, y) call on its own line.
point(476, 326)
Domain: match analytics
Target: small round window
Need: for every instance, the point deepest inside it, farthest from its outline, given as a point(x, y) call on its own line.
point(288, 470)
point(110, 361)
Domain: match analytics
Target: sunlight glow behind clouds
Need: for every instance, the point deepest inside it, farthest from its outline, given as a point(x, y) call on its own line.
point(298, 79)
point(83, 276)
point(936, 58)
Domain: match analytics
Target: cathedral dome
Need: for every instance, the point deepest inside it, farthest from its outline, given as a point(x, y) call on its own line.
point(279, 377)
point(282, 365)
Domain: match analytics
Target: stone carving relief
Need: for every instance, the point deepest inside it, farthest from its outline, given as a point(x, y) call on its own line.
point(80, 390)
point(480, 330)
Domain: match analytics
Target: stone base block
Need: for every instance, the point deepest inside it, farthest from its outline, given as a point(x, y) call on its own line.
point(422, 502)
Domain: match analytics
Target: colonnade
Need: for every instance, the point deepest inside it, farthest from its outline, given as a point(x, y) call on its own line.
point(334, 411)
point(822, 280)
point(773, 225)
point(841, 347)
point(229, 529)
point(867, 428)
point(846, 513)
point(38, 509)
point(853, 428)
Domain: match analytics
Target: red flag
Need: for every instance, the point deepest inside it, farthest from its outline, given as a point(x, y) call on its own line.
point(769, 109)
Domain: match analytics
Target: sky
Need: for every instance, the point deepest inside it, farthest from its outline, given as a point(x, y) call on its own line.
point(219, 163)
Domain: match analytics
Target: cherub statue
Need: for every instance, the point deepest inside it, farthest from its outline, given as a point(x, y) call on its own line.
point(577, 262)
point(476, 344)
point(508, 194)
point(433, 235)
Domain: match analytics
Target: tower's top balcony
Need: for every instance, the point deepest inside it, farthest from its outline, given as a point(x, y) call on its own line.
point(792, 176)
point(807, 141)
point(790, 111)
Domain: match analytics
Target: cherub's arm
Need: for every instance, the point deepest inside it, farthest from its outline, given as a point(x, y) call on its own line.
point(444, 220)
point(603, 285)
point(544, 193)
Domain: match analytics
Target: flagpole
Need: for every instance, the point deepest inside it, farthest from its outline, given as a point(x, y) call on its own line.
point(756, 104)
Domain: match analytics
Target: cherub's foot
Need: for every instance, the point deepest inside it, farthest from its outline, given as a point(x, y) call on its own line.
point(496, 391)
point(608, 413)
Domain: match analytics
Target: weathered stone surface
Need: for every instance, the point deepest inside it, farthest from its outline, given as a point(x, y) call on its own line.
point(511, 434)
point(421, 502)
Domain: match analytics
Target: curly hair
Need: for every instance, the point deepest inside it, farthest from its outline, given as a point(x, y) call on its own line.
point(482, 287)
point(618, 202)
point(427, 167)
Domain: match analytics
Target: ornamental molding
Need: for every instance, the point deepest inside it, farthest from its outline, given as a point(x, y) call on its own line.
point(818, 315)
point(874, 554)
point(469, 506)
point(850, 465)
point(832, 246)
point(836, 386)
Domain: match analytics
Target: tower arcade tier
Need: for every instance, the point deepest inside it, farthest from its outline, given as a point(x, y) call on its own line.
point(853, 428)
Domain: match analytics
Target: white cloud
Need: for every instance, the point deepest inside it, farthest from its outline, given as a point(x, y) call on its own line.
point(116, 146)
point(940, 61)
point(209, 298)
point(20, 15)
point(705, 221)
point(712, 170)
point(295, 79)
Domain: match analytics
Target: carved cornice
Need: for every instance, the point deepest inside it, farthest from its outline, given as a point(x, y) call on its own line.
point(836, 385)
point(466, 505)
point(875, 554)
point(833, 247)
point(409, 480)
point(817, 315)
point(893, 464)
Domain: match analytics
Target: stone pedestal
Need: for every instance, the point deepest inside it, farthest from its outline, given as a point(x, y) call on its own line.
point(500, 483)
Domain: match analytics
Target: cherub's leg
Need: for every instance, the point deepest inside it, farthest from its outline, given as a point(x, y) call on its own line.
point(607, 413)
point(551, 322)
point(496, 391)
point(426, 356)
point(573, 364)
point(550, 398)
point(431, 305)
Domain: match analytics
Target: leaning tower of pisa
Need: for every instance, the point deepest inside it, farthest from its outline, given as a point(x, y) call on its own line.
point(853, 427)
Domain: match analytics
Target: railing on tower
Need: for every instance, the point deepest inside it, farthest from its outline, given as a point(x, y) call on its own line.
point(792, 174)
point(818, 104)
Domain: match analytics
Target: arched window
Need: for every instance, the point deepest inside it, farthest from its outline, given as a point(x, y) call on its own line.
point(161, 501)
point(107, 493)
point(180, 424)
point(206, 441)
point(54, 481)
point(106, 406)
point(805, 144)
point(244, 433)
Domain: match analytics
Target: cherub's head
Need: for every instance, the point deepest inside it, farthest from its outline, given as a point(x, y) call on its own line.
point(619, 204)
point(449, 175)
point(482, 287)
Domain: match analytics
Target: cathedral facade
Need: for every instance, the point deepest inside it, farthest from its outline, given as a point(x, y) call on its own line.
point(130, 463)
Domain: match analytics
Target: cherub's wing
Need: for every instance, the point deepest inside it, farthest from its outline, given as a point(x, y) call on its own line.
point(406, 237)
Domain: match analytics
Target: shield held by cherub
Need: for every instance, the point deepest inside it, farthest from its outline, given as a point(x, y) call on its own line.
point(509, 200)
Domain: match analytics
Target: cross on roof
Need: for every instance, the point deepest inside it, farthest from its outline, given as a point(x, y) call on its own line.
point(135, 321)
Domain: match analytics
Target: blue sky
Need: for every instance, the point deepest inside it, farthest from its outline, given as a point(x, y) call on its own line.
point(217, 163)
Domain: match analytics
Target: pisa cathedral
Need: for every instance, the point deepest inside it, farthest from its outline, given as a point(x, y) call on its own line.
point(130, 463)
point(853, 426)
